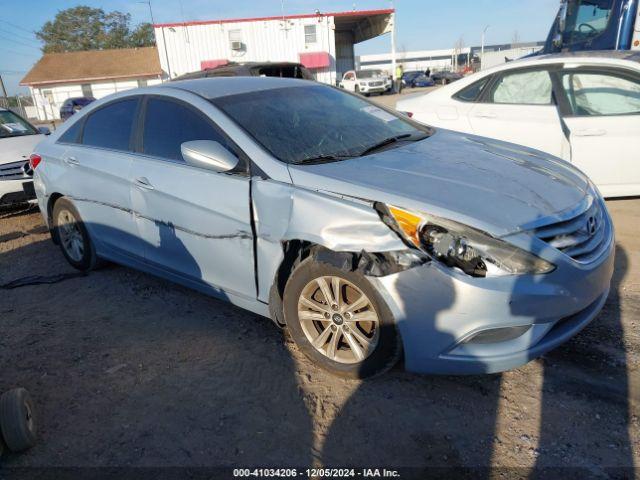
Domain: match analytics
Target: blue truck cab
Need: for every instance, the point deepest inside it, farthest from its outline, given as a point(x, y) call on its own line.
point(595, 25)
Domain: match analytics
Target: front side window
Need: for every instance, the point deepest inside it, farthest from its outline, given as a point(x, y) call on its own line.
point(169, 124)
point(473, 91)
point(110, 127)
point(11, 125)
point(587, 19)
point(310, 35)
point(316, 123)
point(595, 94)
point(523, 88)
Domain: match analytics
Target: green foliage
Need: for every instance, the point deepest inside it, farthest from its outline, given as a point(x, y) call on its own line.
point(87, 28)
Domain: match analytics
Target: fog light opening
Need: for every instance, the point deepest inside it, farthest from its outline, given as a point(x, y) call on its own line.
point(497, 335)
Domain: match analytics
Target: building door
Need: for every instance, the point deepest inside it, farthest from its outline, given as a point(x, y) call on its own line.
point(345, 58)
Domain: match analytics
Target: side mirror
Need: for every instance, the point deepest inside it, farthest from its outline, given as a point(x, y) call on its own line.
point(44, 130)
point(209, 155)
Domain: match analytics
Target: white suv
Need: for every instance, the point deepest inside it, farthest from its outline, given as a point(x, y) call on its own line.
point(366, 82)
point(18, 139)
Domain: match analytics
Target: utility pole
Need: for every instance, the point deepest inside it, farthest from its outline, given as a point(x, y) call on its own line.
point(484, 32)
point(164, 42)
point(393, 46)
point(4, 90)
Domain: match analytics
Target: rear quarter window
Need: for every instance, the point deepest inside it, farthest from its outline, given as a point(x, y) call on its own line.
point(110, 127)
point(472, 92)
point(72, 135)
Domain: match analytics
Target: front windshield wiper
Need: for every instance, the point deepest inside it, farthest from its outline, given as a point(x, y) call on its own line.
point(322, 159)
point(388, 141)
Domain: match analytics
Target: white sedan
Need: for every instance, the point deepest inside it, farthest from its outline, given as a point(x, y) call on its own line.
point(581, 107)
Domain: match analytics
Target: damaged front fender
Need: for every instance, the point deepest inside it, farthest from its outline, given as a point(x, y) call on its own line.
point(350, 231)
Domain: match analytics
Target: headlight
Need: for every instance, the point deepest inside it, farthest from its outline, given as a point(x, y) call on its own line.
point(363, 84)
point(458, 246)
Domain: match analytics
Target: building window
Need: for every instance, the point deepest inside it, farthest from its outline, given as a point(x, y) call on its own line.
point(310, 34)
point(86, 90)
point(142, 82)
point(235, 39)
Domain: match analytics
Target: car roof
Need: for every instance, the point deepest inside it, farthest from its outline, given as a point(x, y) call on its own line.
point(217, 87)
point(630, 55)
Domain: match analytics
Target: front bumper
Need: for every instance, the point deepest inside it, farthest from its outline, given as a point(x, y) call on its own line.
point(438, 310)
point(16, 191)
point(376, 89)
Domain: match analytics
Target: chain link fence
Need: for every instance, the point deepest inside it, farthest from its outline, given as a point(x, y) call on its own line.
point(21, 105)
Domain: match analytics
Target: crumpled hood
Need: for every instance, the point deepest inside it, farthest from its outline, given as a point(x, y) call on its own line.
point(14, 149)
point(495, 186)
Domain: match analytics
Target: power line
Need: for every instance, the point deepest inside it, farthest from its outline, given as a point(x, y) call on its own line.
point(15, 52)
point(19, 42)
point(16, 26)
point(22, 37)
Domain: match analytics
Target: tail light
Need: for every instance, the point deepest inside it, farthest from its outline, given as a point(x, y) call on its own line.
point(34, 160)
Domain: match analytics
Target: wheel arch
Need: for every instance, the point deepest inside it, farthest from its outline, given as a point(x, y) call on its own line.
point(53, 198)
point(368, 264)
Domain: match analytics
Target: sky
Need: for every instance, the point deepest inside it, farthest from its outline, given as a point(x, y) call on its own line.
point(421, 24)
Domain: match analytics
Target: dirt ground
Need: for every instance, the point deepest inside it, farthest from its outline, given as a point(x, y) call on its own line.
point(129, 370)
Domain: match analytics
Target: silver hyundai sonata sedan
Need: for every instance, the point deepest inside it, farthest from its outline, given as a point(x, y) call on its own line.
point(368, 236)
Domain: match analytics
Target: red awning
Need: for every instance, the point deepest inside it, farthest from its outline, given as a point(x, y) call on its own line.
point(315, 59)
point(208, 64)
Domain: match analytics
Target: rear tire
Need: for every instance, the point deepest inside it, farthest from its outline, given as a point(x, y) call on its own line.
point(75, 243)
point(17, 420)
point(355, 336)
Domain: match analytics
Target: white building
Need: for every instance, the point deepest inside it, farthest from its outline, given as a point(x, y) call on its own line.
point(416, 60)
point(323, 42)
point(93, 73)
point(449, 59)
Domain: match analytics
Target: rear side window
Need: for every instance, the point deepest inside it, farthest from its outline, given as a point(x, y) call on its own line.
point(473, 91)
point(72, 135)
point(110, 127)
point(601, 93)
point(523, 88)
point(169, 124)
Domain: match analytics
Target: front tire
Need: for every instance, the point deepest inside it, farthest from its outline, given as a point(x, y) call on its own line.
point(340, 321)
point(75, 243)
point(17, 421)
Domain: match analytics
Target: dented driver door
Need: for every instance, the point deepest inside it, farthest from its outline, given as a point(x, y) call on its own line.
point(196, 222)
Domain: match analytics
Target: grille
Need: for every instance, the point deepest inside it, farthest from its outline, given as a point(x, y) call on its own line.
point(375, 84)
point(13, 171)
point(582, 237)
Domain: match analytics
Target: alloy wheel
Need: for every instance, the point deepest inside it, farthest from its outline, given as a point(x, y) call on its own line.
point(338, 319)
point(70, 235)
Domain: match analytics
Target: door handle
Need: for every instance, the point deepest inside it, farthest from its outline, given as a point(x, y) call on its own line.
point(142, 182)
point(486, 115)
point(71, 161)
point(591, 132)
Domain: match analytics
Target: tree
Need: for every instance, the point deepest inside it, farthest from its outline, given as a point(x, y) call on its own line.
point(87, 28)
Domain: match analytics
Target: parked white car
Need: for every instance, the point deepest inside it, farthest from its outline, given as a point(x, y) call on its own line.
point(18, 139)
point(582, 107)
point(366, 82)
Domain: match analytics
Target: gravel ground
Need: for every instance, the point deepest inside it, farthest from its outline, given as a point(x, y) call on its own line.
point(129, 370)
